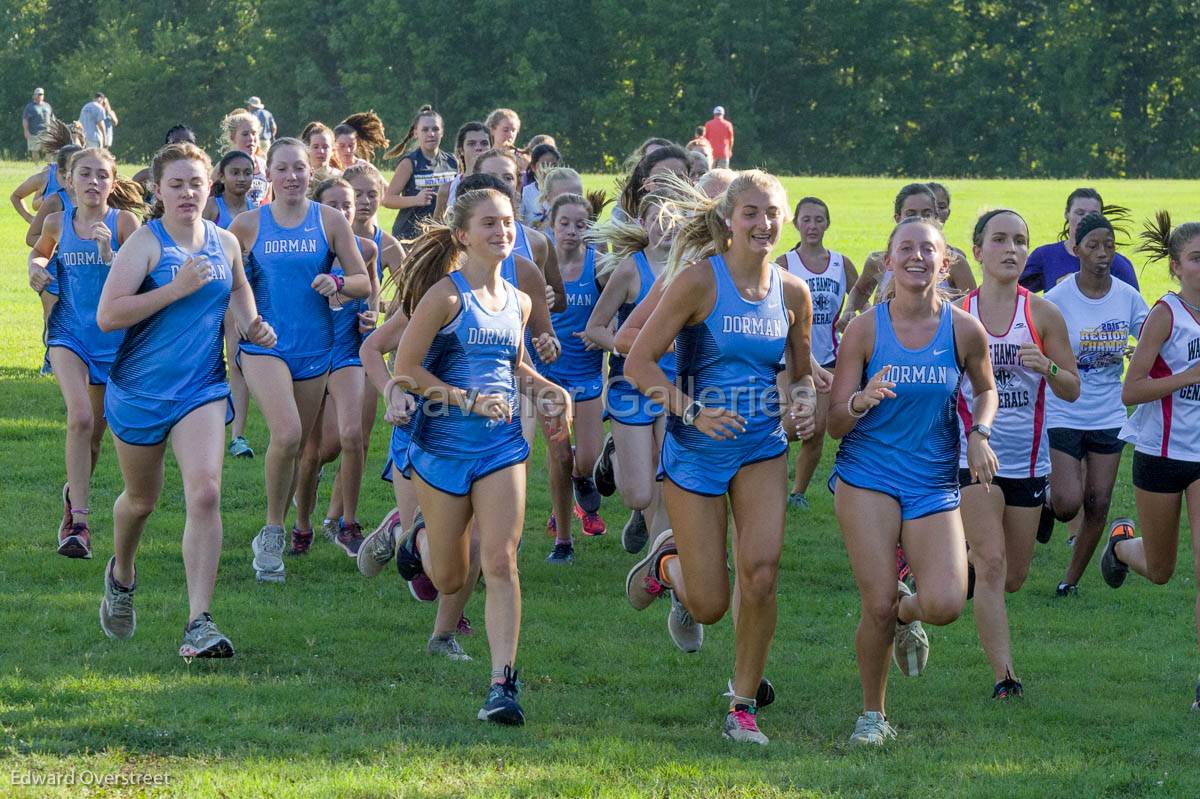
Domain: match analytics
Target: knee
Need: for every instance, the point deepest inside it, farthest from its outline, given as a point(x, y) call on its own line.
point(880, 611)
point(447, 580)
point(351, 437)
point(1159, 573)
point(1096, 504)
point(286, 440)
point(990, 567)
point(637, 496)
point(203, 495)
point(80, 421)
point(1015, 578)
point(756, 581)
point(710, 608)
point(499, 565)
point(138, 505)
point(941, 607)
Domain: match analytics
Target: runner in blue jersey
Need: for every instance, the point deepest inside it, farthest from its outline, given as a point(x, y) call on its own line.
point(169, 288)
point(731, 315)
point(339, 429)
point(80, 243)
point(230, 197)
point(896, 473)
point(578, 369)
point(291, 246)
point(44, 183)
point(58, 202)
point(634, 254)
point(462, 353)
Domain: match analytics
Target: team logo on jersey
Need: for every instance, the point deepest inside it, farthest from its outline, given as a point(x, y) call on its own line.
point(1104, 345)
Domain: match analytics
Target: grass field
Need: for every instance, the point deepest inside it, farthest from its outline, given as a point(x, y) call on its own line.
point(332, 694)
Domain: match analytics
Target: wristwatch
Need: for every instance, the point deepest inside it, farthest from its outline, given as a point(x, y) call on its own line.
point(981, 429)
point(691, 412)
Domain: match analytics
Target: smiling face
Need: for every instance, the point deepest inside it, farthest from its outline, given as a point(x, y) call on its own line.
point(756, 221)
point(319, 150)
point(811, 221)
point(917, 256)
point(1005, 248)
point(570, 223)
point(289, 173)
point(183, 190)
point(366, 197)
point(92, 180)
point(1096, 252)
point(490, 231)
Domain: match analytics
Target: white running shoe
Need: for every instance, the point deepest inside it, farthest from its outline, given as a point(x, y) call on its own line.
point(742, 726)
point(686, 632)
point(268, 554)
point(911, 647)
point(872, 729)
point(380, 546)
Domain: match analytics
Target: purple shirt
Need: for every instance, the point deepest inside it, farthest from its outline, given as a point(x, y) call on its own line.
point(1050, 263)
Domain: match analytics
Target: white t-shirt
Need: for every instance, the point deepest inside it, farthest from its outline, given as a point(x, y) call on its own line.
point(1099, 331)
point(531, 204)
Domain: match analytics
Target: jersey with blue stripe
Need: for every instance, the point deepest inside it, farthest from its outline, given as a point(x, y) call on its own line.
point(477, 352)
point(731, 359)
point(345, 319)
point(81, 273)
point(646, 278)
point(177, 353)
point(508, 268)
point(915, 433)
point(52, 182)
point(225, 216)
point(377, 237)
point(577, 364)
point(281, 267)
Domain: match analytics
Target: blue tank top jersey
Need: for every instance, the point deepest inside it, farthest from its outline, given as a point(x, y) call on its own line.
point(64, 195)
point(224, 216)
point(476, 351)
point(52, 183)
point(576, 364)
point(178, 352)
point(646, 278)
point(915, 433)
point(508, 268)
point(81, 274)
point(280, 268)
point(731, 359)
point(345, 320)
point(377, 237)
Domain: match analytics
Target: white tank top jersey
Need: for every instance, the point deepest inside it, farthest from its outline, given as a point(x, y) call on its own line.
point(828, 290)
point(1099, 330)
point(1019, 436)
point(1170, 427)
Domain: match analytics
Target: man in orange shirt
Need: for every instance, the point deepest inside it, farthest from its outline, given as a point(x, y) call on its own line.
point(719, 132)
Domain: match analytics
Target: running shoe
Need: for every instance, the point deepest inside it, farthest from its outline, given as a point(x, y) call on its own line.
point(902, 570)
point(764, 697)
point(268, 554)
point(872, 729)
point(552, 526)
point(380, 546)
point(117, 617)
point(1008, 688)
point(446, 647)
point(562, 554)
point(1046, 522)
point(202, 639)
point(641, 584)
point(797, 500)
point(330, 529)
point(240, 448)
point(634, 534)
point(1071, 542)
point(76, 542)
point(586, 495)
point(501, 704)
point(68, 517)
point(741, 725)
point(464, 626)
point(686, 632)
point(301, 541)
point(350, 539)
point(408, 563)
point(1066, 589)
point(603, 474)
point(1111, 567)
point(593, 525)
point(911, 646)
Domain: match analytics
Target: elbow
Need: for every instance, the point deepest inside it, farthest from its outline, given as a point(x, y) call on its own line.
point(1127, 396)
point(105, 320)
point(560, 304)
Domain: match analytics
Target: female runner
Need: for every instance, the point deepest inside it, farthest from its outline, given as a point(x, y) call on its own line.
point(170, 285)
point(357, 137)
point(1026, 355)
point(318, 140)
point(473, 139)
point(731, 318)
point(414, 186)
point(242, 129)
point(81, 242)
point(467, 450)
point(292, 244)
point(896, 473)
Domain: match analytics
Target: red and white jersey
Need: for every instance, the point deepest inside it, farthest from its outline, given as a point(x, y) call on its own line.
point(828, 290)
point(1170, 427)
point(1019, 436)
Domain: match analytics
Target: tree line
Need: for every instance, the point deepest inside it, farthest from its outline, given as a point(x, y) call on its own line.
point(989, 88)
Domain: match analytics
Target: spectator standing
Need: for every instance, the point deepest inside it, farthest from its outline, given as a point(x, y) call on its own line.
point(91, 116)
point(110, 120)
point(266, 120)
point(36, 117)
point(719, 132)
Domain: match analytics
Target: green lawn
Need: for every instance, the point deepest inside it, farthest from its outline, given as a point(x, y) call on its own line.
point(331, 693)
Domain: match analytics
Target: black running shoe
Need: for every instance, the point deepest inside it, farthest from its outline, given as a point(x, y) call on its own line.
point(1045, 525)
point(765, 695)
point(1111, 567)
point(1008, 688)
point(970, 581)
point(1066, 589)
point(408, 560)
point(634, 534)
point(602, 473)
point(562, 554)
point(586, 494)
point(501, 704)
